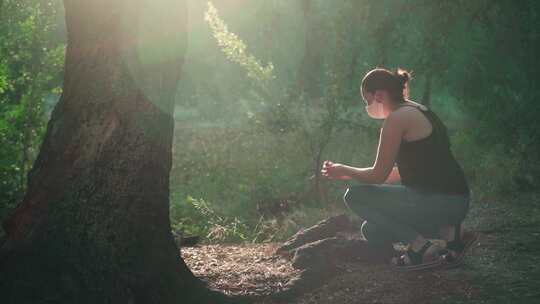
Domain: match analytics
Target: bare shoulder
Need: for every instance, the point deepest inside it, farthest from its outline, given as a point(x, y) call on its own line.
point(397, 118)
point(401, 113)
point(408, 116)
point(409, 111)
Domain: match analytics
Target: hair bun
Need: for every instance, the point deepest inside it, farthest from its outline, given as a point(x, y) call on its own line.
point(402, 75)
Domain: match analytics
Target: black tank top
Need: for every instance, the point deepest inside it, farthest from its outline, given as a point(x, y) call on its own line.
point(428, 164)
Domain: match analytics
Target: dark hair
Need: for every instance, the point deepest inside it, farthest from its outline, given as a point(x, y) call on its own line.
point(395, 83)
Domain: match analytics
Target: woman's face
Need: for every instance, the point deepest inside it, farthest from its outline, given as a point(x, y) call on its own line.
point(379, 96)
point(368, 97)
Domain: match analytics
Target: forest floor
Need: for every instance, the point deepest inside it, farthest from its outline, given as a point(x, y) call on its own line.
point(504, 266)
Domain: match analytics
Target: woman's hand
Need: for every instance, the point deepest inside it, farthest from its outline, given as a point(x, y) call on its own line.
point(335, 171)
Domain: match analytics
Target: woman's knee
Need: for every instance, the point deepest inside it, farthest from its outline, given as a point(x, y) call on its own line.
point(365, 230)
point(369, 230)
point(359, 196)
point(374, 234)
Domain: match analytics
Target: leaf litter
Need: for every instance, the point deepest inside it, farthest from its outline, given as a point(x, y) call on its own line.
point(254, 270)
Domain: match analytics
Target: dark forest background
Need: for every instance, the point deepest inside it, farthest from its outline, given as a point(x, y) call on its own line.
point(271, 88)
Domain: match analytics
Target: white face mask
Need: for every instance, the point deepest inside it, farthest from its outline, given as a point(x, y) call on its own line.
point(375, 110)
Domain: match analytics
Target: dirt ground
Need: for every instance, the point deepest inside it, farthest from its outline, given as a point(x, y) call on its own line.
point(254, 270)
point(502, 268)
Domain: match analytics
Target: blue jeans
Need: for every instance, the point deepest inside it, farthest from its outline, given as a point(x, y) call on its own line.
point(396, 213)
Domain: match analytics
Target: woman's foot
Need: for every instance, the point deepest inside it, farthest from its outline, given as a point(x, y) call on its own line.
point(428, 254)
point(456, 249)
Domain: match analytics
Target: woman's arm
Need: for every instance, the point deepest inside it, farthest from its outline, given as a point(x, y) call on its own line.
point(393, 177)
point(389, 141)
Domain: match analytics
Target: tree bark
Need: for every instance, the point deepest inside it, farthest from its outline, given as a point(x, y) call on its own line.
point(93, 226)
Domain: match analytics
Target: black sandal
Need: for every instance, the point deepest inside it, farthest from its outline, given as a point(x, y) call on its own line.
point(454, 253)
point(416, 259)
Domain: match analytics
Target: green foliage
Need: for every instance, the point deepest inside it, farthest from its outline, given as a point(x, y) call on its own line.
point(236, 50)
point(256, 114)
point(485, 101)
point(31, 61)
point(200, 217)
point(3, 79)
point(204, 220)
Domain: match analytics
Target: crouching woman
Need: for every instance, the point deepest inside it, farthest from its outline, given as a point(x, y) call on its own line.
point(433, 197)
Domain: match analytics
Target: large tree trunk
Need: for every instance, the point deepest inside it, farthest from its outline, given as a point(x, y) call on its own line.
point(94, 226)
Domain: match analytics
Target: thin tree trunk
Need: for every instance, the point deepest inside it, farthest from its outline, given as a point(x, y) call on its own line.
point(310, 66)
point(426, 99)
point(94, 226)
point(26, 142)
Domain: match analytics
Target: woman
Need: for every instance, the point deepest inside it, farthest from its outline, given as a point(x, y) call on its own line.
point(433, 197)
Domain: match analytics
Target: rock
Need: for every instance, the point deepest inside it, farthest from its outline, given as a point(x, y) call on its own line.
point(328, 252)
point(324, 229)
point(190, 240)
point(183, 240)
point(316, 254)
